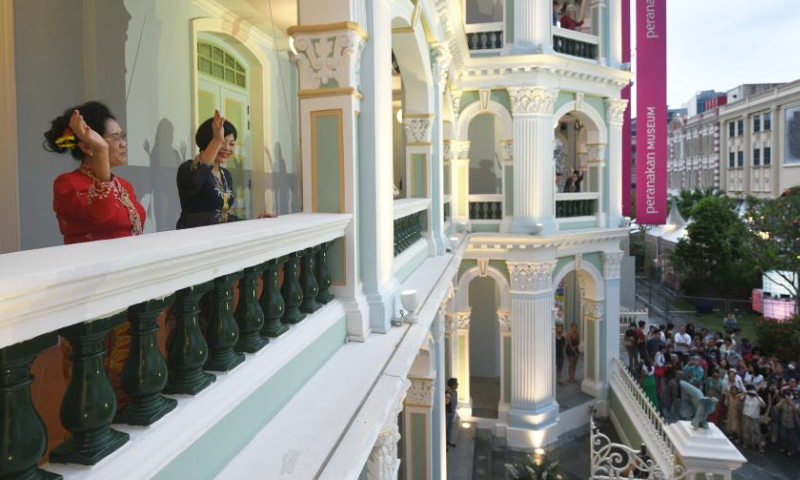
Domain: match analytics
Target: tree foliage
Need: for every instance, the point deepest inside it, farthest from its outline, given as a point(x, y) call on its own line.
point(687, 199)
point(713, 259)
point(774, 236)
point(779, 338)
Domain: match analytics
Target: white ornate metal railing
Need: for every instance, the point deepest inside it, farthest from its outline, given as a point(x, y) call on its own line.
point(629, 318)
point(648, 420)
point(615, 461)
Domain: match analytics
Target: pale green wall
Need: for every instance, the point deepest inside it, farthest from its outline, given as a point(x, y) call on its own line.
point(419, 447)
point(500, 95)
point(486, 227)
point(507, 369)
point(508, 204)
point(204, 459)
point(328, 185)
point(468, 98)
point(577, 225)
point(419, 171)
point(564, 97)
point(589, 349)
point(510, 20)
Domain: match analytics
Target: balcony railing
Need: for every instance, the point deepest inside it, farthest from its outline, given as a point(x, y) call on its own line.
point(575, 44)
point(631, 319)
point(570, 205)
point(446, 209)
point(485, 36)
point(81, 292)
point(408, 222)
point(486, 207)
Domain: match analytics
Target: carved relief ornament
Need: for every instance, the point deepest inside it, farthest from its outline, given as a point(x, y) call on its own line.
point(612, 265)
point(532, 100)
point(615, 111)
point(418, 129)
point(531, 277)
point(420, 393)
point(329, 59)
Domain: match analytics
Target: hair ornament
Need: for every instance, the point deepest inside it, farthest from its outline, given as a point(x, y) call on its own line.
point(67, 140)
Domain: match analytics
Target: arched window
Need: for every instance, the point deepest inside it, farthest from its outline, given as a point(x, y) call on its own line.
point(216, 62)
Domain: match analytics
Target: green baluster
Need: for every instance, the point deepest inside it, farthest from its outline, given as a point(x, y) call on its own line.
point(309, 282)
point(24, 438)
point(272, 302)
point(396, 238)
point(89, 404)
point(324, 274)
point(188, 350)
point(222, 332)
point(249, 314)
point(291, 290)
point(145, 373)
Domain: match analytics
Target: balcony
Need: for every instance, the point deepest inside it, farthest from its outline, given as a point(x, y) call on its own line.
point(576, 205)
point(81, 292)
point(575, 44)
point(486, 207)
point(485, 37)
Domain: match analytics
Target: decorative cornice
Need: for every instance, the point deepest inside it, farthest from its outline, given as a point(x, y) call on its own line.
point(531, 277)
point(461, 148)
point(450, 323)
point(418, 129)
point(594, 308)
point(504, 318)
point(420, 393)
point(532, 100)
point(447, 149)
point(596, 152)
point(328, 59)
point(615, 111)
point(329, 27)
point(612, 265)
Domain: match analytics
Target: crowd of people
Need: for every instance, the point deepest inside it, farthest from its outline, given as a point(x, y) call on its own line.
point(758, 395)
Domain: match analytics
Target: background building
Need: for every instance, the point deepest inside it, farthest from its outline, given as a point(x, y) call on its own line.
point(693, 147)
point(760, 140)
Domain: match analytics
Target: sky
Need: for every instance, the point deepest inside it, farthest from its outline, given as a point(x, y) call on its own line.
point(719, 44)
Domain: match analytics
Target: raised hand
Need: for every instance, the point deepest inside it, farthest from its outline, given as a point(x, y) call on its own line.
point(84, 132)
point(218, 125)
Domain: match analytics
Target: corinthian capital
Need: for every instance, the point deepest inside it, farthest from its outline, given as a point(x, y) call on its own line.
point(531, 277)
point(440, 62)
point(418, 128)
point(331, 59)
point(532, 100)
point(615, 111)
point(612, 264)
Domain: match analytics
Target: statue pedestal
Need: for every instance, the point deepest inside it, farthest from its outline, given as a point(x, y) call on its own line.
point(705, 450)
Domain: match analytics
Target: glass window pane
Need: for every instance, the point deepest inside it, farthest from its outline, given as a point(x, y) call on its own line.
point(218, 55)
point(484, 11)
point(218, 71)
point(240, 80)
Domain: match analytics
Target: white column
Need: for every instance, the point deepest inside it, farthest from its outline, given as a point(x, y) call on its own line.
point(341, 105)
point(439, 451)
point(383, 462)
point(375, 167)
point(418, 405)
point(440, 63)
point(593, 315)
point(504, 318)
point(532, 22)
point(507, 147)
point(609, 340)
point(534, 409)
point(596, 161)
point(534, 170)
point(462, 372)
point(615, 115)
point(459, 184)
point(615, 33)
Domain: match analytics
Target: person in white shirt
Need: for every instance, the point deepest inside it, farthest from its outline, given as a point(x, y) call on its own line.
point(732, 380)
point(751, 427)
point(682, 340)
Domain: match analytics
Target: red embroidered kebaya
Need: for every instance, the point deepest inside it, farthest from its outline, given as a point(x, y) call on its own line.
point(89, 209)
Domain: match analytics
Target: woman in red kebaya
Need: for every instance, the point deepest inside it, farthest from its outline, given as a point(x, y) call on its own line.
point(90, 202)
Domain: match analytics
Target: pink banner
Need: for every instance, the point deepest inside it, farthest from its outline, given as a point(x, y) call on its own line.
point(651, 111)
point(627, 185)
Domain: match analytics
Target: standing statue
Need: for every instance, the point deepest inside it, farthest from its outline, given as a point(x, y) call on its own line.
point(559, 152)
point(700, 406)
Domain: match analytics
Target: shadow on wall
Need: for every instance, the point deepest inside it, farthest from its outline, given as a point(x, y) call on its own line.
point(284, 186)
point(484, 179)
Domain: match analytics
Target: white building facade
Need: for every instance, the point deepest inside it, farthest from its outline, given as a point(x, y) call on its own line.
point(693, 149)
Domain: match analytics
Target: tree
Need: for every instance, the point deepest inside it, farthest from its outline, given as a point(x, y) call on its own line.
point(713, 260)
point(687, 199)
point(774, 238)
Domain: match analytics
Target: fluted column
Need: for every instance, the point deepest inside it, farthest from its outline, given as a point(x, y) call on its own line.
point(439, 450)
point(504, 319)
point(534, 170)
point(609, 336)
point(533, 392)
point(615, 115)
point(532, 22)
point(507, 147)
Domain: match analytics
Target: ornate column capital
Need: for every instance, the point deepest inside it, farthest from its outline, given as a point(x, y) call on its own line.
point(440, 63)
point(418, 128)
point(615, 111)
point(532, 100)
point(450, 323)
point(504, 318)
point(596, 152)
point(455, 95)
point(420, 393)
point(463, 319)
point(330, 59)
point(447, 149)
point(612, 265)
point(508, 150)
point(594, 309)
point(461, 148)
point(531, 277)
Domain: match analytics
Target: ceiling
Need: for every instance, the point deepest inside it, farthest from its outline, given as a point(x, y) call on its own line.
point(258, 14)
